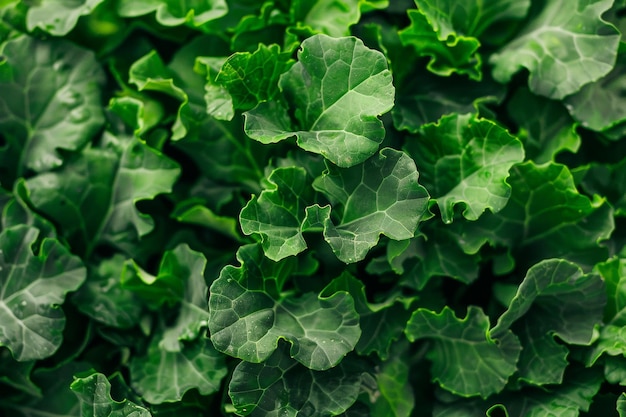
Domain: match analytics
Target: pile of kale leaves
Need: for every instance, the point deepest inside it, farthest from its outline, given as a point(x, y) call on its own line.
point(312, 208)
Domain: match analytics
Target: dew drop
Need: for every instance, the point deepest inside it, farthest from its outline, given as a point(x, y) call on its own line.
point(79, 115)
point(23, 303)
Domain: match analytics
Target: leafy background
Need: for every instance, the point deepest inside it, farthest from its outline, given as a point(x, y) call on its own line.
point(312, 208)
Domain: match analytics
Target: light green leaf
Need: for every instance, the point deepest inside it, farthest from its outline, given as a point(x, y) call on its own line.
point(332, 17)
point(336, 89)
point(280, 386)
point(465, 359)
point(247, 323)
point(600, 105)
point(32, 287)
point(457, 54)
point(469, 17)
point(564, 46)
point(165, 376)
point(466, 160)
point(380, 196)
point(139, 115)
point(546, 128)
point(448, 32)
point(94, 393)
point(194, 13)
point(93, 197)
point(49, 100)
point(58, 17)
point(546, 217)
point(278, 212)
point(103, 299)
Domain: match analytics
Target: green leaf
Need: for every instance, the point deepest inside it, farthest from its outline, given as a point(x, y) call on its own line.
point(564, 46)
point(93, 197)
point(466, 160)
point(448, 32)
point(611, 339)
point(247, 323)
point(609, 181)
point(49, 100)
point(103, 298)
point(332, 17)
point(280, 386)
point(57, 400)
point(426, 97)
point(58, 17)
point(381, 323)
point(469, 17)
point(380, 196)
point(194, 13)
point(165, 376)
point(546, 217)
point(394, 395)
point(457, 54)
point(17, 374)
point(466, 360)
point(554, 299)
point(621, 405)
point(600, 105)
point(615, 370)
point(566, 400)
point(546, 129)
point(251, 78)
point(94, 393)
point(223, 152)
point(439, 256)
point(336, 89)
point(278, 212)
point(559, 287)
point(34, 279)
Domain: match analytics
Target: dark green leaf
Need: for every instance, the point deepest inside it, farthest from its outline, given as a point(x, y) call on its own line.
point(93, 197)
point(281, 386)
point(546, 128)
point(165, 376)
point(34, 279)
point(49, 100)
point(466, 360)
